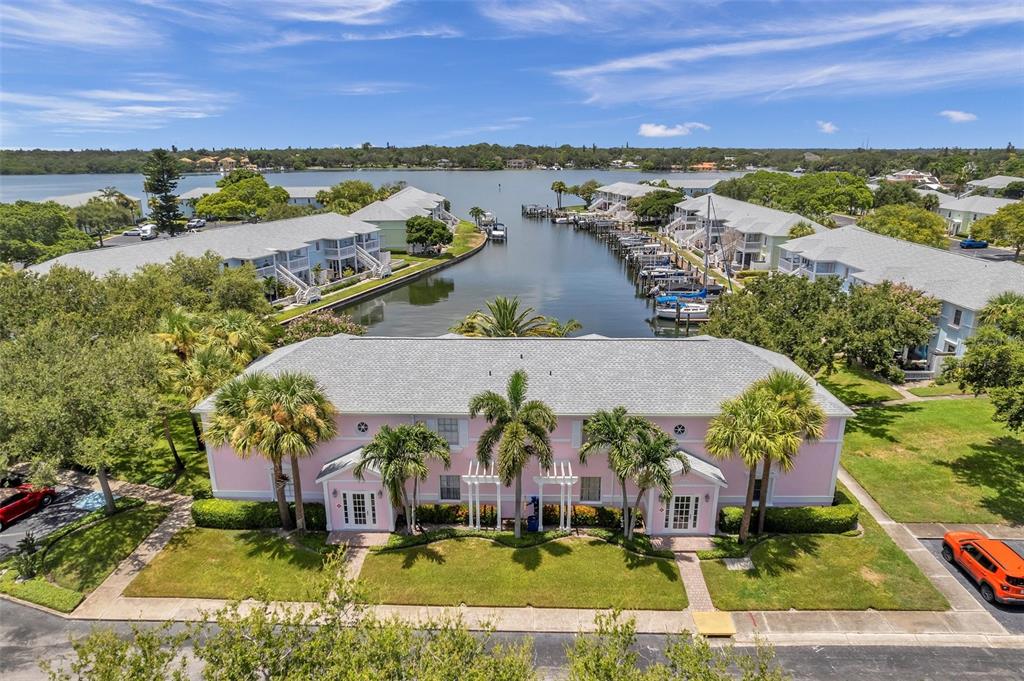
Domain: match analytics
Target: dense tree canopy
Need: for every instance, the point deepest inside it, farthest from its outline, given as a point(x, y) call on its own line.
point(426, 232)
point(33, 232)
point(883, 320)
point(99, 215)
point(814, 195)
point(1004, 228)
point(889, 193)
point(349, 196)
point(248, 199)
point(800, 229)
point(908, 222)
point(656, 205)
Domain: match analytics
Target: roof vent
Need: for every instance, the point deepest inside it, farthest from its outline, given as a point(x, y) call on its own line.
point(520, 355)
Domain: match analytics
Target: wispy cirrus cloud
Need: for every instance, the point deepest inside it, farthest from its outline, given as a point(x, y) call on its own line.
point(827, 127)
point(401, 33)
point(349, 12)
point(511, 123)
point(367, 88)
point(56, 22)
point(562, 16)
point(954, 116)
point(659, 130)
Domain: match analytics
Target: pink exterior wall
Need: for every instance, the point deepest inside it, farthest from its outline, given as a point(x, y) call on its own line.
point(810, 482)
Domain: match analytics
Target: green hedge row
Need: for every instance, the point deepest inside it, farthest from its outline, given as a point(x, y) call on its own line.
point(458, 514)
point(840, 517)
point(231, 514)
point(749, 274)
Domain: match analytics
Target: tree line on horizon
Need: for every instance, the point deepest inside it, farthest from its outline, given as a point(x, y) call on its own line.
point(947, 163)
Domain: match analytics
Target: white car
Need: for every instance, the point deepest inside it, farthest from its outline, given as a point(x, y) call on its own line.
point(134, 231)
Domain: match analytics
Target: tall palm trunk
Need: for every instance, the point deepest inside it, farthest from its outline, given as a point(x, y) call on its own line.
point(282, 502)
point(179, 465)
point(408, 510)
point(300, 510)
point(415, 501)
point(198, 432)
point(626, 524)
point(762, 502)
point(519, 506)
point(636, 507)
point(748, 505)
point(108, 496)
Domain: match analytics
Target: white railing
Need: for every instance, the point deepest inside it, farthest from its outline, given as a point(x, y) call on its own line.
point(298, 263)
point(264, 272)
point(376, 267)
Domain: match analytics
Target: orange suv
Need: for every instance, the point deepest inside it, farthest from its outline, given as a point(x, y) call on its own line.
point(997, 568)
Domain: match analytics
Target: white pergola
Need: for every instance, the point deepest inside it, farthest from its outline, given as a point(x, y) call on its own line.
point(559, 474)
point(476, 475)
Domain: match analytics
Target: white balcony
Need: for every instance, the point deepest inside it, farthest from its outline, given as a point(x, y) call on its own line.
point(298, 264)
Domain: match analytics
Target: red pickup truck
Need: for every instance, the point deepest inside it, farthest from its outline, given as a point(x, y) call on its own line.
point(19, 501)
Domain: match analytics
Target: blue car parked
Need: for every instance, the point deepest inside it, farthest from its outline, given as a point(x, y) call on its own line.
point(973, 243)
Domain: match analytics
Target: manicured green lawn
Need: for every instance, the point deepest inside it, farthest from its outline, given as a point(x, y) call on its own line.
point(157, 469)
point(235, 564)
point(78, 560)
point(568, 573)
point(935, 389)
point(824, 572)
point(940, 461)
point(854, 385)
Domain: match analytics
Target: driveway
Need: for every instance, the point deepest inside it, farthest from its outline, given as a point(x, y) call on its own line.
point(61, 512)
point(1010, 616)
point(992, 253)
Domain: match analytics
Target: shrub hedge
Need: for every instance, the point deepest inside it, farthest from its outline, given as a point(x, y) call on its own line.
point(458, 514)
point(840, 517)
point(231, 514)
point(750, 274)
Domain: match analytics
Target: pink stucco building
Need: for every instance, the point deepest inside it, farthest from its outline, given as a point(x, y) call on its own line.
point(678, 384)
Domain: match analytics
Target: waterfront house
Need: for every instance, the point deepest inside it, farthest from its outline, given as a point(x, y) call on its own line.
point(82, 198)
point(613, 198)
point(391, 214)
point(704, 166)
point(679, 384)
point(697, 186)
point(992, 186)
point(518, 164)
point(963, 284)
point(914, 177)
point(753, 233)
point(297, 196)
point(288, 250)
point(961, 213)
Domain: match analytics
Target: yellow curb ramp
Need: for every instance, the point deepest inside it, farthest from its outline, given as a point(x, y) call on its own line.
point(714, 624)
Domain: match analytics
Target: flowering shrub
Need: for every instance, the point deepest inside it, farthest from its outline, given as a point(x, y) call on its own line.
point(324, 323)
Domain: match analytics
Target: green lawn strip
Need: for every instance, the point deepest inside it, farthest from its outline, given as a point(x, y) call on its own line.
point(462, 243)
point(936, 390)
point(40, 592)
point(576, 572)
point(855, 386)
point(824, 572)
point(940, 461)
point(81, 560)
point(234, 564)
point(403, 541)
point(158, 469)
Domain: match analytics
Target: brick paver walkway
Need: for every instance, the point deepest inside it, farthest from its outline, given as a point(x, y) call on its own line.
point(693, 581)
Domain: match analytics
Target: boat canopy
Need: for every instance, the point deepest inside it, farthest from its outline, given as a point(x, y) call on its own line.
point(662, 300)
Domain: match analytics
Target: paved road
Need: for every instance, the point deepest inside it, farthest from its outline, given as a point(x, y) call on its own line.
point(42, 523)
point(1010, 616)
point(120, 240)
point(991, 253)
point(28, 636)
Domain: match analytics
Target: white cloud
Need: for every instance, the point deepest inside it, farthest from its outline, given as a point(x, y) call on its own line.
point(56, 22)
point(504, 124)
point(955, 116)
point(399, 34)
point(350, 12)
point(533, 16)
point(371, 88)
point(827, 127)
point(659, 130)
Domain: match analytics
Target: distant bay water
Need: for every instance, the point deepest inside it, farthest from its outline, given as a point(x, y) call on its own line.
point(558, 271)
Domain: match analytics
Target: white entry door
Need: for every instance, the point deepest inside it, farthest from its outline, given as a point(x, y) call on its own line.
point(681, 513)
point(359, 509)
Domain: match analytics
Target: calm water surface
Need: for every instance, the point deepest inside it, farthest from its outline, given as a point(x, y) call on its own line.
point(559, 272)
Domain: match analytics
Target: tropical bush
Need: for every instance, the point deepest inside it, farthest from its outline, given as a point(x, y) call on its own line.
point(324, 323)
point(582, 516)
point(840, 517)
point(231, 514)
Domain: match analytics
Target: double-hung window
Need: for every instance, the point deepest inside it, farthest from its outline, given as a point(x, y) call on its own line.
point(448, 428)
point(451, 487)
point(590, 488)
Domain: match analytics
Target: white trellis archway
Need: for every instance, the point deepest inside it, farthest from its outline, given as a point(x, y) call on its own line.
point(559, 474)
point(476, 475)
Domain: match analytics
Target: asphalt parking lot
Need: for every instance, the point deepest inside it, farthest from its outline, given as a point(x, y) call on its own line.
point(41, 523)
point(992, 253)
point(1010, 616)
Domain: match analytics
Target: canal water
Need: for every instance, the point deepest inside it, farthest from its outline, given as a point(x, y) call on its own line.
point(552, 268)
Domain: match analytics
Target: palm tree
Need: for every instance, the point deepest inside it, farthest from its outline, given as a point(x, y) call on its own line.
point(557, 329)
point(181, 332)
point(296, 417)
point(245, 336)
point(518, 429)
point(802, 416)
point(476, 212)
point(209, 367)
point(1003, 307)
point(653, 450)
point(237, 420)
point(505, 320)
point(559, 188)
point(399, 454)
point(614, 433)
point(750, 427)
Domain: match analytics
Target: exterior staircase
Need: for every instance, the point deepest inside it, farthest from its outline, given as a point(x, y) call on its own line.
point(304, 293)
point(378, 269)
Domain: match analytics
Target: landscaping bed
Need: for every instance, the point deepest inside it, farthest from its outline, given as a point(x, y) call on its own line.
point(576, 572)
point(78, 557)
point(821, 572)
point(939, 461)
point(234, 564)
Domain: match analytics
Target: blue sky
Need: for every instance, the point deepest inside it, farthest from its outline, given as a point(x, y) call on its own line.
point(607, 72)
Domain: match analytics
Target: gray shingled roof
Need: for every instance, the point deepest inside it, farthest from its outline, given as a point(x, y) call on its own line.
point(82, 198)
point(340, 463)
point(630, 189)
point(242, 241)
point(699, 466)
point(996, 181)
point(745, 217)
point(575, 376)
point(959, 279)
point(985, 205)
point(695, 183)
point(402, 205)
point(197, 193)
